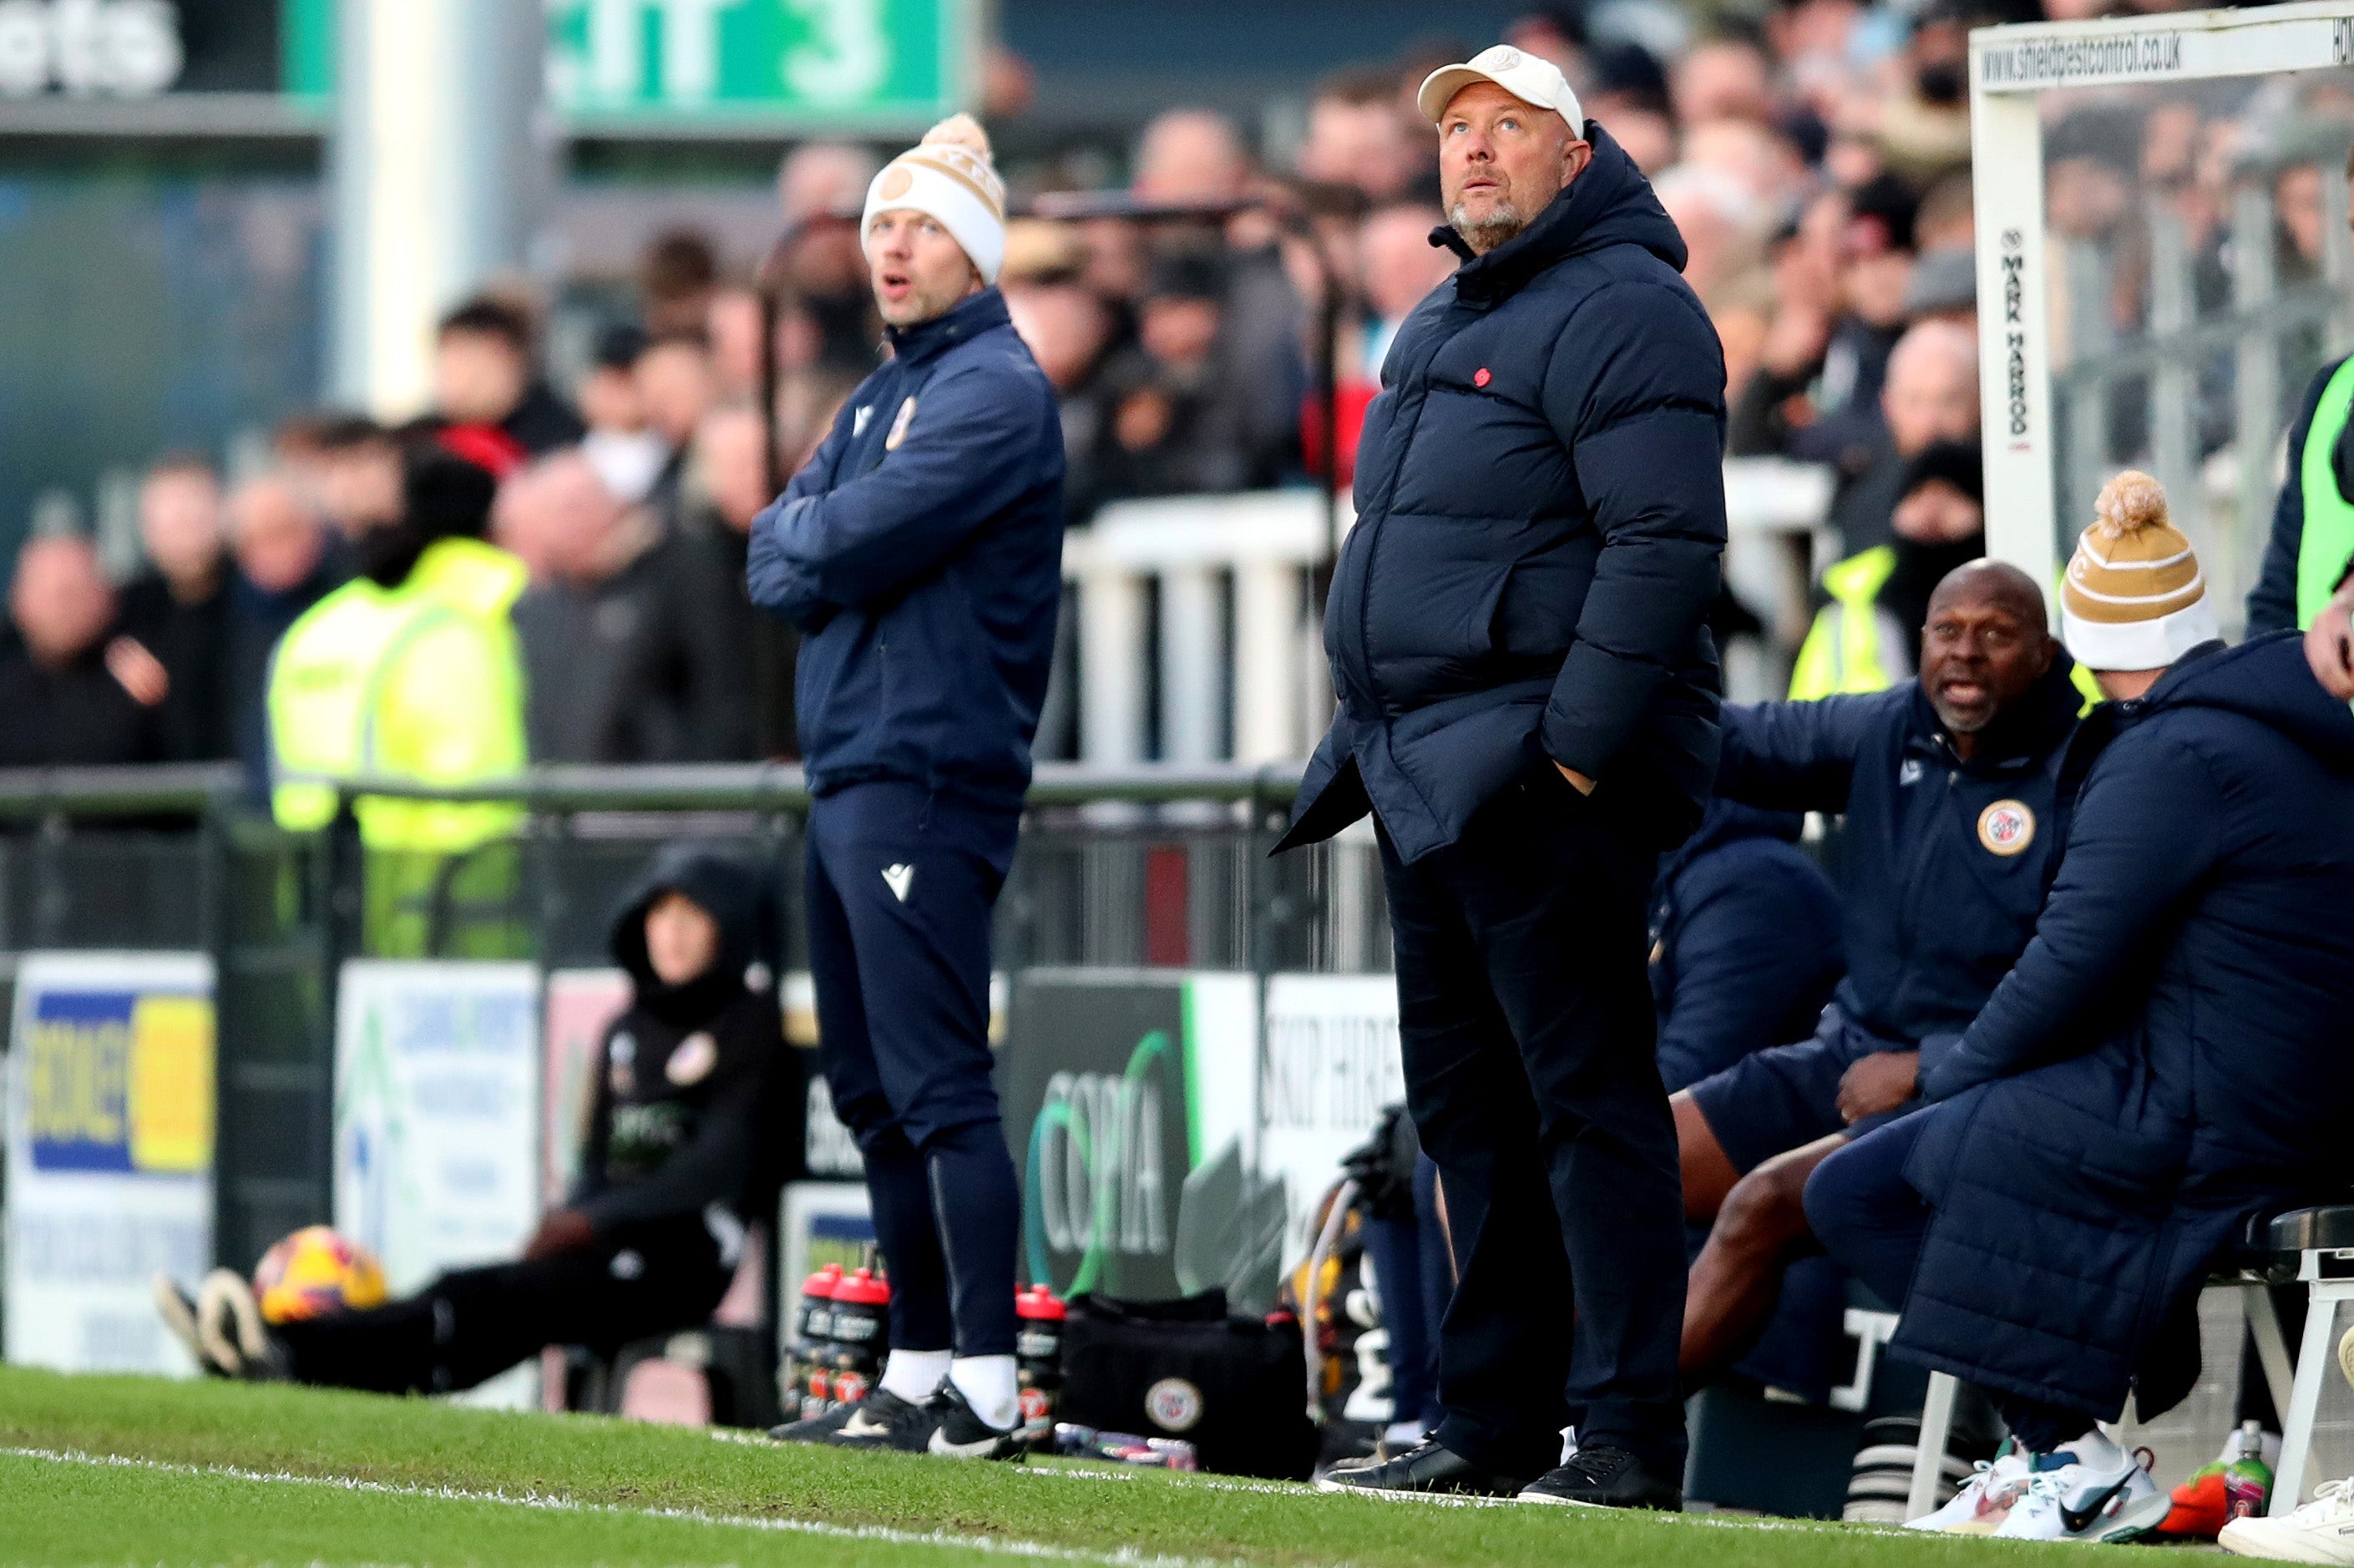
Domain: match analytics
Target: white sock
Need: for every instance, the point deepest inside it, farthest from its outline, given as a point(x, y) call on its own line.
point(914, 1375)
point(1402, 1435)
point(2095, 1451)
point(987, 1384)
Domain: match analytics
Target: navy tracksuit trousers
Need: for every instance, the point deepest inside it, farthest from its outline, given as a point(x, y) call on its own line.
point(902, 880)
point(1525, 1021)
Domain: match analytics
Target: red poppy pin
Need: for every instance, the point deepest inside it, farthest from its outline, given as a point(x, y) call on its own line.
point(1480, 378)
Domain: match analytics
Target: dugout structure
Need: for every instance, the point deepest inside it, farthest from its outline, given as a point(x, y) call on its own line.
point(2016, 72)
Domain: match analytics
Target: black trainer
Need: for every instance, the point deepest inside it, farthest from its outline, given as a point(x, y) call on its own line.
point(958, 1433)
point(1427, 1471)
point(879, 1408)
point(1604, 1476)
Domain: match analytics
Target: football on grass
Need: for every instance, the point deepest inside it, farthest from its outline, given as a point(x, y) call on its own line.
point(314, 1272)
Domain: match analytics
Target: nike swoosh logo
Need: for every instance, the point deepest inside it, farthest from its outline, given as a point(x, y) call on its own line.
point(2077, 1519)
point(946, 1449)
point(861, 1425)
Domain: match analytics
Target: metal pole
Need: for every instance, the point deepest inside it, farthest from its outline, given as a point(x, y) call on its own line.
point(2255, 278)
point(437, 164)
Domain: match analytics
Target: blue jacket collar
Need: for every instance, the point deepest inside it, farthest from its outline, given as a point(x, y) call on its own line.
point(968, 318)
point(2022, 738)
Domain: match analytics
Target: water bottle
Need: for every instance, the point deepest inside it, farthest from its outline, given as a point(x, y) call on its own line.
point(862, 1333)
point(1038, 1366)
point(813, 1342)
point(2247, 1480)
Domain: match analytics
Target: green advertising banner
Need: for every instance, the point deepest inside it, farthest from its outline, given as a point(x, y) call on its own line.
point(656, 64)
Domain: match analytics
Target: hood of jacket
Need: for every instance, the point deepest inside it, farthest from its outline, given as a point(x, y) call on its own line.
point(1728, 821)
point(728, 888)
point(1610, 203)
point(2266, 680)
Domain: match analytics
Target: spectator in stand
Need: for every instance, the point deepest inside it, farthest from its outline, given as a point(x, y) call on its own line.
point(678, 386)
point(1357, 138)
point(633, 648)
point(1068, 328)
point(585, 620)
point(1825, 354)
point(756, 652)
point(1191, 155)
point(1948, 787)
point(1746, 942)
point(76, 691)
point(484, 375)
point(1173, 429)
point(1930, 395)
point(283, 567)
point(178, 608)
point(358, 477)
point(1922, 123)
point(1725, 78)
point(1628, 92)
point(1868, 638)
point(733, 328)
point(626, 452)
point(676, 280)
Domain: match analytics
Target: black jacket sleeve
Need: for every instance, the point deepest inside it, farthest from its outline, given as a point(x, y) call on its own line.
point(2140, 842)
point(2272, 603)
point(1796, 757)
point(716, 1166)
point(589, 1179)
point(1636, 391)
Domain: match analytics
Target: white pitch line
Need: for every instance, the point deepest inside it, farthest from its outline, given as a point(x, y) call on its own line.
point(1005, 1546)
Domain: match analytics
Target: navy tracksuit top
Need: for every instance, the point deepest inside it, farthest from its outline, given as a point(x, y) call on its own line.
point(919, 551)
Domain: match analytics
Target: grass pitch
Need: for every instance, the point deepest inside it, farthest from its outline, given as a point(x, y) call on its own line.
point(121, 1470)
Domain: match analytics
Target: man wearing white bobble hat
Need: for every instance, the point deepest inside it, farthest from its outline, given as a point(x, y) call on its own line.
point(920, 552)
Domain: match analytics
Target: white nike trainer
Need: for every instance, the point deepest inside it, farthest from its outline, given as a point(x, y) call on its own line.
point(1985, 1499)
point(2066, 1499)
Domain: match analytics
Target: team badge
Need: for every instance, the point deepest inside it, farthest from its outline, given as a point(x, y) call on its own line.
point(899, 425)
point(622, 1074)
point(2007, 827)
point(1173, 1404)
point(693, 1061)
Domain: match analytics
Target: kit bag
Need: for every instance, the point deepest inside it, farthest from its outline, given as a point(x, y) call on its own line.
point(1235, 1387)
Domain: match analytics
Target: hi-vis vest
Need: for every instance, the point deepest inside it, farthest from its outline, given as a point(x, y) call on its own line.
point(2328, 540)
point(1854, 646)
point(422, 681)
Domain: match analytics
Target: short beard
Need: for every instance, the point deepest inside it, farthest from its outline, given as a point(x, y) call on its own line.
point(1504, 221)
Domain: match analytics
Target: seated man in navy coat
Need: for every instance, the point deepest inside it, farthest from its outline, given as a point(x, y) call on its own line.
point(2166, 1062)
point(1946, 787)
point(1527, 706)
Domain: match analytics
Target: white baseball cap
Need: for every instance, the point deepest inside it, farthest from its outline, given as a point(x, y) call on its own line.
point(1530, 77)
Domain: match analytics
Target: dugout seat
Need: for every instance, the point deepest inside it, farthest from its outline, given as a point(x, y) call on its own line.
point(2313, 1246)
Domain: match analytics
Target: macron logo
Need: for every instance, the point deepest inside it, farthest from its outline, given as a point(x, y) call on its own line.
point(858, 421)
point(900, 879)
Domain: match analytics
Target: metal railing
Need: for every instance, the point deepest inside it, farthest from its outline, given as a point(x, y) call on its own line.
point(1138, 866)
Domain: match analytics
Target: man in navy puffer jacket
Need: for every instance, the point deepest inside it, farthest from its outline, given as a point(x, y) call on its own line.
point(920, 553)
point(1528, 700)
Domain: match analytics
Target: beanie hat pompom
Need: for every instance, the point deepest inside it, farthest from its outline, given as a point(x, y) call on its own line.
point(2133, 502)
point(959, 130)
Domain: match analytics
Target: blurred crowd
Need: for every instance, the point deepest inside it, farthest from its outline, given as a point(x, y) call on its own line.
point(1218, 323)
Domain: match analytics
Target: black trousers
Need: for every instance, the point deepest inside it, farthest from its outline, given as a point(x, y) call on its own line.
point(472, 1324)
point(1524, 1013)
